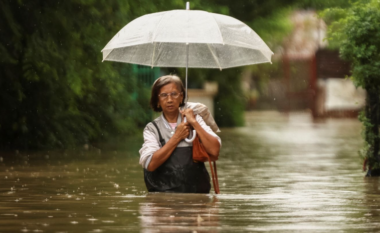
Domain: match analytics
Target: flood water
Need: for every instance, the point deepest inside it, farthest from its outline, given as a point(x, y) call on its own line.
point(281, 173)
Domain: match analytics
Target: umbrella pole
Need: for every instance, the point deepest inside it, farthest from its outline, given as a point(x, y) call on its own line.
point(193, 133)
point(187, 57)
point(187, 64)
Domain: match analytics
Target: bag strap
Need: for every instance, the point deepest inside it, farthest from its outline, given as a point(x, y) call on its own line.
point(216, 177)
point(162, 141)
point(214, 174)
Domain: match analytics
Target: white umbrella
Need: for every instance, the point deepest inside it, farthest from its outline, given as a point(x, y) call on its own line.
point(187, 38)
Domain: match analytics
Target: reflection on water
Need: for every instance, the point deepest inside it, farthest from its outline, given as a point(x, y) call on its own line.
point(179, 212)
point(279, 173)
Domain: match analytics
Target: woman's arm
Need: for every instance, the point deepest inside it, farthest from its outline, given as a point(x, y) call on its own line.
point(210, 142)
point(161, 155)
point(149, 146)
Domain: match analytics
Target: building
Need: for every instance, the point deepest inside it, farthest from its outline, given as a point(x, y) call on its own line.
point(311, 76)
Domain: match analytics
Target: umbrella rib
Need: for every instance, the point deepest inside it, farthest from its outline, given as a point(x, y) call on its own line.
point(154, 50)
point(107, 55)
point(214, 56)
point(217, 26)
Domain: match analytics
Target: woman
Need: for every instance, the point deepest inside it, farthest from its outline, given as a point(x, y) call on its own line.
point(165, 155)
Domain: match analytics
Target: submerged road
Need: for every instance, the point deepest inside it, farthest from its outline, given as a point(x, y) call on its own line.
point(281, 173)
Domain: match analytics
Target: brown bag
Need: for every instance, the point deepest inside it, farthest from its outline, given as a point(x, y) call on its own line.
point(200, 155)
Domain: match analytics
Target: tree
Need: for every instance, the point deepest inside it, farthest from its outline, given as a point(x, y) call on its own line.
point(56, 93)
point(357, 32)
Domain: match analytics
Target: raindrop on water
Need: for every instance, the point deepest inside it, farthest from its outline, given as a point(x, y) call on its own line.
point(96, 230)
point(108, 221)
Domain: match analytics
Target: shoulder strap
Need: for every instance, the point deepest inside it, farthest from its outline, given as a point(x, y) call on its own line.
point(162, 141)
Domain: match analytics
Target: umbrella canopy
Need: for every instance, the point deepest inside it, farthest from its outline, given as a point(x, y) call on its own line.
point(184, 38)
point(165, 39)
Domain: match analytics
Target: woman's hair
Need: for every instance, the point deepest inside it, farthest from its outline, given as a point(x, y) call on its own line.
point(160, 82)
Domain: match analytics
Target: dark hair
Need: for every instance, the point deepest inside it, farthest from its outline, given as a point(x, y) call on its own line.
point(160, 82)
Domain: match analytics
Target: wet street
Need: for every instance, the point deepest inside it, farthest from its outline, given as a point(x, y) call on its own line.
point(280, 173)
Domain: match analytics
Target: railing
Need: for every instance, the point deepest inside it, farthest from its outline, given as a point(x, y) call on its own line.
point(146, 75)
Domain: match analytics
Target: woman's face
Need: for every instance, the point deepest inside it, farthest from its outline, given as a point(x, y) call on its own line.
point(167, 98)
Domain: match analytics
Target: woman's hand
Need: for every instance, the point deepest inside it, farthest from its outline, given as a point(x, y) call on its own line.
point(189, 114)
point(182, 131)
point(211, 144)
point(161, 155)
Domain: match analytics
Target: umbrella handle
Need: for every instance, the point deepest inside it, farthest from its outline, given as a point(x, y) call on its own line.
point(192, 134)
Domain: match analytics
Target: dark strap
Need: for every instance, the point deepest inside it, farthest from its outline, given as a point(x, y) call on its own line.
point(214, 175)
point(162, 141)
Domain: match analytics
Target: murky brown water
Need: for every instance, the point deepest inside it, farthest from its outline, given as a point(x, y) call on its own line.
point(278, 173)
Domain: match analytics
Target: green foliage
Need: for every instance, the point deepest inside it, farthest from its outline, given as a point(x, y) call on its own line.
point(357, 33)
point(55, 90)
point(325, 4)
point(230, 101)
